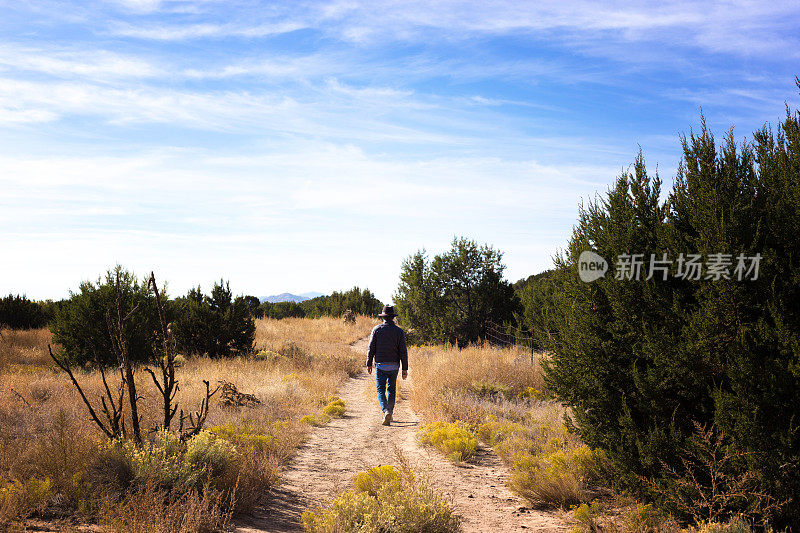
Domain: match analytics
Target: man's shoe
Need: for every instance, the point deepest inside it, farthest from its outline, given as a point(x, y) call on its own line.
point(387, 418)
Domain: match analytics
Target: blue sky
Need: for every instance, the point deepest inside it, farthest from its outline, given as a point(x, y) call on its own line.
point(301, 146)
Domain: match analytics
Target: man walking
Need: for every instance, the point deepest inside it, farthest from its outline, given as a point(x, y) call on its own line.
point(387, 346)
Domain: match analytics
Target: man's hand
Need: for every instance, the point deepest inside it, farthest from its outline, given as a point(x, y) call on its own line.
point(405, 374)
point(369, 369)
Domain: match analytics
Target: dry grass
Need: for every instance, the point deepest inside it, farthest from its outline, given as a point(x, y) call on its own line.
point(24, 348)
point(325, 330)
point(623, 515)
point(145, 511)
point(499, 395)
point(46, 436)
point(471, 384)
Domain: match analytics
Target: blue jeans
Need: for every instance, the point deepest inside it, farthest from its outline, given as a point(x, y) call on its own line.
point(386, 380)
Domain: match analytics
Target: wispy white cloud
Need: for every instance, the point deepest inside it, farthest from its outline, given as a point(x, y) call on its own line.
point(13, 115)
point(290, 193)
point(76, 63)
point(334, 110)
point(305, 197)
point(729, 27)
point(205, 30)
point(251, 140)
point(142, 6)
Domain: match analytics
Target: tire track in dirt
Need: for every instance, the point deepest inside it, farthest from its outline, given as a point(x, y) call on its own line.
point(326, 463)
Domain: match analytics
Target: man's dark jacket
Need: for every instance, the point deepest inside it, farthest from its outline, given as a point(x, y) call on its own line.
point(387, 344)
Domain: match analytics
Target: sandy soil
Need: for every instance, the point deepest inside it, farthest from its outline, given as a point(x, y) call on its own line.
point(325, 464)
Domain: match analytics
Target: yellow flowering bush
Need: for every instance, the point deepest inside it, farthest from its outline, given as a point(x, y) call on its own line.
point(374, 479)
point(735, 525)
point(244, 436)
point(267, 355)
point(17, 497)
point(159, 460)
point(384, 499)
point(206, 451)
point(452, 439)
point(316, 420)
point(587, 515)
point(335, 408)
point(168, 462)
point(530, 393)
point(560, 478)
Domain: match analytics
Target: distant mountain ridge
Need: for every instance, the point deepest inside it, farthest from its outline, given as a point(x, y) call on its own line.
point(289, 297)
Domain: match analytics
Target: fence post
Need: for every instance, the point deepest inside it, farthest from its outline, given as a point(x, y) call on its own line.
point(531, 348)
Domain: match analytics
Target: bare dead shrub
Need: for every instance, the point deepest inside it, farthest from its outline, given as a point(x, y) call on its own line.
point(706, 488)
point(152, 509)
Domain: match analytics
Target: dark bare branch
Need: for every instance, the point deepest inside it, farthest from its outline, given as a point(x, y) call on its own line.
point(168, 386)
point(21, 397)
point(197, 420)
point(155, 379)
point(120, 344)
point(66, 368)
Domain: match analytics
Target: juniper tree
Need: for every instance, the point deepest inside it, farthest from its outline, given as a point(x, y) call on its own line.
point(455, 296)
point(216, 324)
point(642, 363)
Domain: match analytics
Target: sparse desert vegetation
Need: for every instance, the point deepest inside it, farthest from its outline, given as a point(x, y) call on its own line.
point(600, 337)
point(55, 462)
point(496, 395)
point(669, 382)
point(653, 405)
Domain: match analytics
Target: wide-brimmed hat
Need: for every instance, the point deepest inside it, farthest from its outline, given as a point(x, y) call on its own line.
point(388, 311)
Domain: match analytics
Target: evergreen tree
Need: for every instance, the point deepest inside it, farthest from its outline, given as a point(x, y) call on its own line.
point(360, 302)
point(17, 312)
point(281, 310)
point(536, 294)
point(254, 304)
point(641, 363)
point(215, 324)
point(81, 323)
point(454, 297)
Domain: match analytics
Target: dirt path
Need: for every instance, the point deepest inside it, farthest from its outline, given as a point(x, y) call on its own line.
point(325, 464)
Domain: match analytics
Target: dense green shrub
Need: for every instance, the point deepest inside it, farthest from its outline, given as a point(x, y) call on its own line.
point(17, 312)
point(640, 362)
point(215, 324)
point(360, 302)
point(536, 294)
point(455, 296)
point(81, 324)
point(279, 310)
point(254, 304)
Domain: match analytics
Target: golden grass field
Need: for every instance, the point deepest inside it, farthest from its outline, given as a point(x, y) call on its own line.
point(497, 396)
point(48, 440)
point(478, 396)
